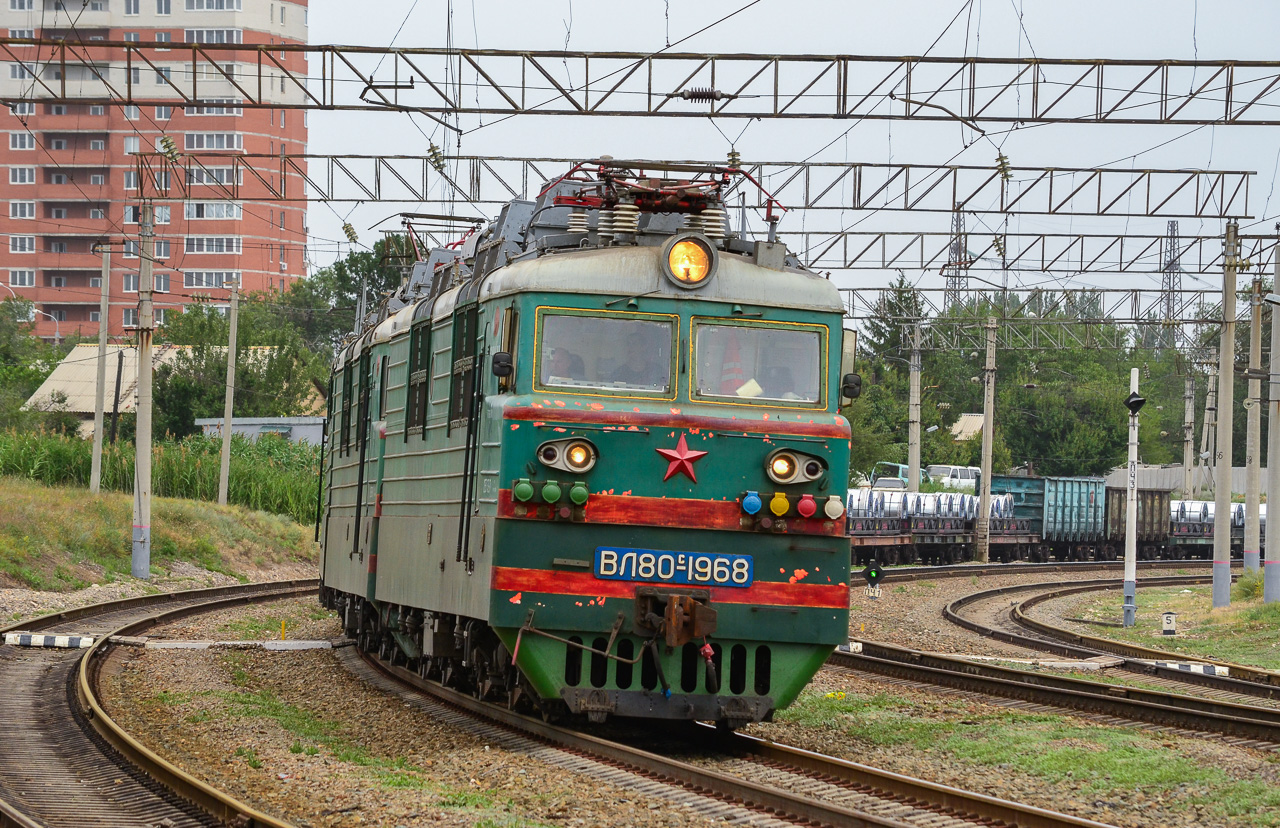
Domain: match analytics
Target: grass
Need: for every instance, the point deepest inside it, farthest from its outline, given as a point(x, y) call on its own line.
point(311, 734)
point(255, 629)
point(58, 538)
point(269, 475)
point(1097, 761)
point(1245, 632)
point(250, 757)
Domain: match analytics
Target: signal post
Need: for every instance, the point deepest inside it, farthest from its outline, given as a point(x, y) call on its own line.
point(1134, 403)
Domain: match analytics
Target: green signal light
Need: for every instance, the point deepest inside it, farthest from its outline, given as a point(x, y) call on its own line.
point(873, 573)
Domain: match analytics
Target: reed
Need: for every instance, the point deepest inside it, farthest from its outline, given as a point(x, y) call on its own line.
point(271, 474)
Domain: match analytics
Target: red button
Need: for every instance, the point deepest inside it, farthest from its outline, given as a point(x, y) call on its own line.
point(806, 507)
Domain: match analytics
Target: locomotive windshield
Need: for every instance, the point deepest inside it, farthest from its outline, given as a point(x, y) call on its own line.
point(759, 363)
point(613, 353)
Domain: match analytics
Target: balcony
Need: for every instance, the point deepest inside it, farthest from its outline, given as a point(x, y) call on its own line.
point(75, 156)
point(48, 260)
point(75, 190)
point(76, 225)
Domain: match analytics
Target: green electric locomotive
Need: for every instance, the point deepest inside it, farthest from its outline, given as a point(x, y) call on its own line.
point(590, 459)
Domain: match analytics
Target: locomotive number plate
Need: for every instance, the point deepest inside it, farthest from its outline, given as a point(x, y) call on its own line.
point(623, 564)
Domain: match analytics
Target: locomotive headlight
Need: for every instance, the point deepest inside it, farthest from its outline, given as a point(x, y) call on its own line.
point(782, 467)
point(690, 260)
point(572, 455)
point(579, 456)
point(787, 466)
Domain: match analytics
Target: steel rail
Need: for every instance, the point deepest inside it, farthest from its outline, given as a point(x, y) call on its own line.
point(1137, 663)
point(920, 573)
point(1138, 704)
point(906, 787)
point(44, 622)
point(217, 804)
point(1245, 672)
point(796, 807)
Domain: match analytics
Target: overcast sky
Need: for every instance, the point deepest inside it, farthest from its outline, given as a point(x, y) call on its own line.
point(1174, 29)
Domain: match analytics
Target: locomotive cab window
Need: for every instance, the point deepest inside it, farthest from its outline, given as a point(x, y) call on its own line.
point(760, 363)
point(619, 354)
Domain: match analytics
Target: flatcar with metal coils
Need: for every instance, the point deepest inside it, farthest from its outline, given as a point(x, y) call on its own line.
point(591, 460)
point(1034, 519)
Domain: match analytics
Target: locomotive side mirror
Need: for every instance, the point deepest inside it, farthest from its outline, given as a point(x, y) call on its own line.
point(502, 364)
point(851, 386)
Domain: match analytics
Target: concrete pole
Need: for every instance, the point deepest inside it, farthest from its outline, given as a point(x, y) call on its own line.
point(99, 404)
point(1188, 434)
point(142, 465)
point(1253, 438)
point(224, 472)
point(982, 527)
point(1271, 571)
point(1131, 515)
point(1222, 454)
point(1210, 424)
point(913, 416)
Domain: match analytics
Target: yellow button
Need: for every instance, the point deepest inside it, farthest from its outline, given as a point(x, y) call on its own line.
point(779, 505)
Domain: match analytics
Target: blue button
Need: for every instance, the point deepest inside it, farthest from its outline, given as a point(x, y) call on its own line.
point(751, 503)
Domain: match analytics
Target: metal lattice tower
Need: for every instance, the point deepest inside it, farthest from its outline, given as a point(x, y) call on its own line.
point(1170, 287)
point(957, 267)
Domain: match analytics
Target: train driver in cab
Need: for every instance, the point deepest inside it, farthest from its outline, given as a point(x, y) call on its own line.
point(643, 366)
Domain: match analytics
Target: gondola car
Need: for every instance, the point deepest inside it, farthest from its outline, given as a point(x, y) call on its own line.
point(590, 460)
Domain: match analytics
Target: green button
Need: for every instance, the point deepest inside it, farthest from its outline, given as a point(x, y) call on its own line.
point(551, 491)
point(522, 491)
point(578, 494)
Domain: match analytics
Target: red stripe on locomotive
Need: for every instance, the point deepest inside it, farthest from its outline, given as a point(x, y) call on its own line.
point(765, 593)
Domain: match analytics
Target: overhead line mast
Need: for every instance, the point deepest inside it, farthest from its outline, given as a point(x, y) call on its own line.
point(666, 84)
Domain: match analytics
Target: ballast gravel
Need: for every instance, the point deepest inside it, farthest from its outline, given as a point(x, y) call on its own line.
point(297, 736)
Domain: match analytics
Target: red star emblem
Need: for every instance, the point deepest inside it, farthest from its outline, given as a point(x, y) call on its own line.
point(681, 460)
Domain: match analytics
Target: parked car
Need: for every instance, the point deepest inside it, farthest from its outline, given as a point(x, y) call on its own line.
point(962, 478)
point(885, 469)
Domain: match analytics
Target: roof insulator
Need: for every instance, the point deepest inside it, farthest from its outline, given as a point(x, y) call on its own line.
point(436, 157)
point(704, 93)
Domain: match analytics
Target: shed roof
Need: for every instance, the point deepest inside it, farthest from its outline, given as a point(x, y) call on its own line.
point(76, 377)
point(966, 427)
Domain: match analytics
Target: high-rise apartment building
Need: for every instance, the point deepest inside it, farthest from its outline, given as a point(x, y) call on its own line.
point(68, 180)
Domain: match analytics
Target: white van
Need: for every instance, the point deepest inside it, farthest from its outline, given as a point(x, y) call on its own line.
point(962, 478)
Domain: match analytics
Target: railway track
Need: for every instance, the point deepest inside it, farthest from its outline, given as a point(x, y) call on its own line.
point(1246, 725)
point(899, 574)
point(65, 762)
point(747, 780)
point(992, 613)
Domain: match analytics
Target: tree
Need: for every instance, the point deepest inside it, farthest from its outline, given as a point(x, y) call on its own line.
point(276, 374)
point(25, 362)
point(882, 336)
point(323, 306)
